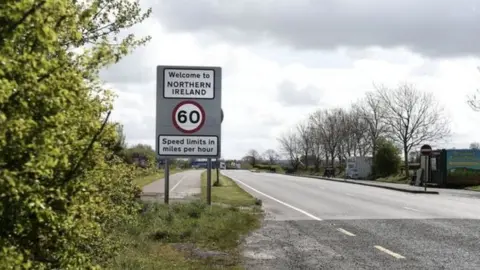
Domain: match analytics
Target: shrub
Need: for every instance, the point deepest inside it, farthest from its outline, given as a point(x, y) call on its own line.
point(386, 160)
point(62, 189)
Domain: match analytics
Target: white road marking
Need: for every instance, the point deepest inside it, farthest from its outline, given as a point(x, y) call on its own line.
point(411, 209)
point(345, 232)
point(277, 200)
point(181, 179)
point(349, 194)
point(389, 252)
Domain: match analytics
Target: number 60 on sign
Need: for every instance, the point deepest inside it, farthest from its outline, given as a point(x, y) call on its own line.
point(188, 116)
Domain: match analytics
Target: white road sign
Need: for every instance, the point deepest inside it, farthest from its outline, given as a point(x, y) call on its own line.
point(190, 145)
point(188, 116)
point(189, 111)
point(187, 83)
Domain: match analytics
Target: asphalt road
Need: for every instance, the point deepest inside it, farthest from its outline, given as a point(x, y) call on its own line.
point(182, 186)
point(316, 224)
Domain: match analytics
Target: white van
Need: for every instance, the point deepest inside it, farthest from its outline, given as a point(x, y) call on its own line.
point(358, 167)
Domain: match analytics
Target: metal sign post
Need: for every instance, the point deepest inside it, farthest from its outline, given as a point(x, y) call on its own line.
point(218, 171)
point(426, 150)
point(167, 182)
point(188, 114)
point(209, 181)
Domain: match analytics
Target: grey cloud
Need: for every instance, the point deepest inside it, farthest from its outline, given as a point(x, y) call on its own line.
point(429, 68)
point(272, 121)
point(289, 95)
point(130, 69)
point(434, 28)
point(136, 131)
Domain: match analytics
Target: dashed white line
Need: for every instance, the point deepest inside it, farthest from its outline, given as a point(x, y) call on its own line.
point(349, 194)
point(389, 252)
point(345, 232)
point(181, 179)
point(411, 209)
point(279, 201)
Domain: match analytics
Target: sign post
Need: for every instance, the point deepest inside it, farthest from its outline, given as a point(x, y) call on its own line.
point(209, 181)
point(218, 171)
point(188, 115)
point(167, 181)
point(426, 150)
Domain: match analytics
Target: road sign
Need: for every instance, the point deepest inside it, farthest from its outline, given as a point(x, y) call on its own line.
point(188, 116)
point(189, 112)
point(425, 149)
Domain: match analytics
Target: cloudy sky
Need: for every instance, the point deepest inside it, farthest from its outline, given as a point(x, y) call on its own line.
point(283, 59)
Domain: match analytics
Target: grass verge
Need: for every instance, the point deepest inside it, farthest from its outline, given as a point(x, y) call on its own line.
point(189, 235)
point(227, 191)
point(142, 181)
point(474, 188)
point(395, 179)
point(184, 236)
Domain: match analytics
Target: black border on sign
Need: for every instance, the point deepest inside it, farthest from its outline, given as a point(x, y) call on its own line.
point(183, 155)
point(174, 114)
point(192, 69)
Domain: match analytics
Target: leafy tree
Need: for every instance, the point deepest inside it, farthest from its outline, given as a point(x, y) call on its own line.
point(61, 187)
point(387, 159)
point(141, 152)
point(120, 144)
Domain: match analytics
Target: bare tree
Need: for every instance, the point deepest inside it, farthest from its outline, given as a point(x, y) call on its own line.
point(414, 156)
point(253, 157)
point(290, 146)
point(271, 156)
point(304, 130)
point(475, 145)
point(372, 112)
point(331, 131)
point(354, 138)
point(414, 117)
point(358, 128)
point(344, 135)
point(318, 142)
point(474, 101)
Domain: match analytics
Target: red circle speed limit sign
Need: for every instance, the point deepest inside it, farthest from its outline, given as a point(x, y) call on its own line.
point(188, 116)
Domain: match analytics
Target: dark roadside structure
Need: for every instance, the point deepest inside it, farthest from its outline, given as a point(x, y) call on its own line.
point(454, 168)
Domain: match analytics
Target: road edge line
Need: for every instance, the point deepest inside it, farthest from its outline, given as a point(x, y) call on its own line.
point(277, 200)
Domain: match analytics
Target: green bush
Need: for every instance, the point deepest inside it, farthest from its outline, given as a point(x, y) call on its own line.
point(387, 159)
point(269, 168)
point(62, 189)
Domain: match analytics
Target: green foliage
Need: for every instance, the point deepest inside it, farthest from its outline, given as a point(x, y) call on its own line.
point(387, 159)
point(135, 154)
point(175, 236)
point(119, 146)
point(269, 168)
point(62, 188)
point(227, 191)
